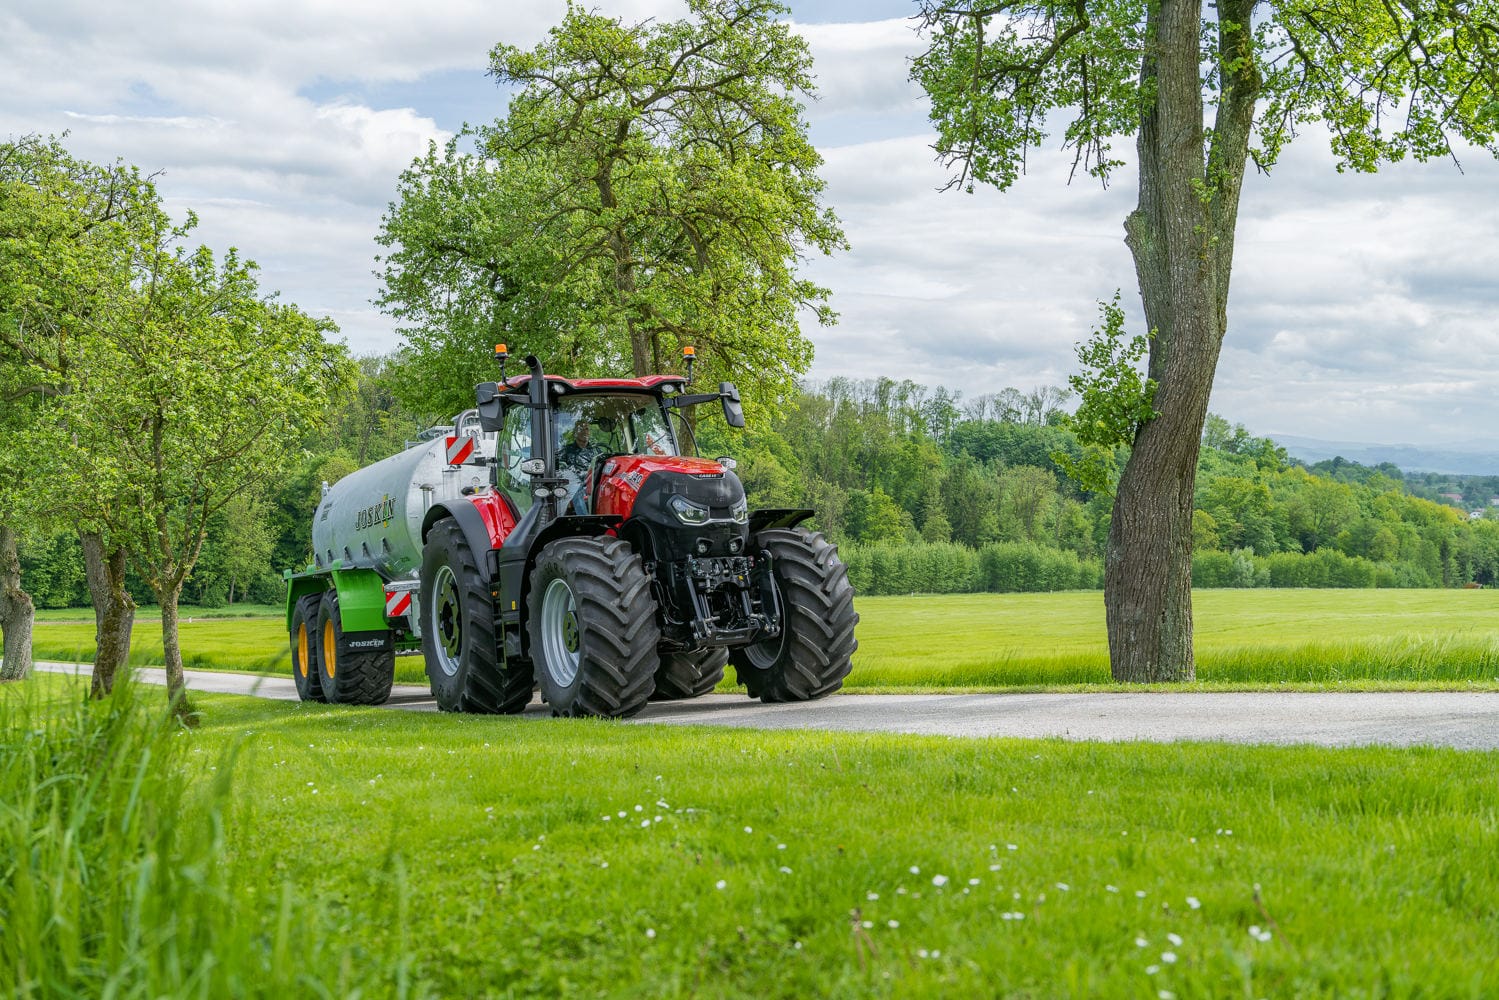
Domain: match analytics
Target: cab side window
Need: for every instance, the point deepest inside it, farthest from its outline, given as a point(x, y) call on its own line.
point(515, 448)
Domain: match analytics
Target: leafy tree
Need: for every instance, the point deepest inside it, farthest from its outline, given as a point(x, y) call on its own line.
point(1203, 91)
point(65, 229)
point(236, 550)
point(650, 186)
point(195, 389)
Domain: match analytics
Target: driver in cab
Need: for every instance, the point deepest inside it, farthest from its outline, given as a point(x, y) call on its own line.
point(575, 459)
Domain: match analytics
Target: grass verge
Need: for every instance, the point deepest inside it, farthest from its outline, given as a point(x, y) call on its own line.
point(547, 858)
point(1245, 639)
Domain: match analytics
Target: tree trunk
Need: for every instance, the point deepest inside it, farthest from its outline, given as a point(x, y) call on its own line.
point(17, 612)
point(1182, 239)
point(1148, 562)
point(172, 648)
point(114, 610)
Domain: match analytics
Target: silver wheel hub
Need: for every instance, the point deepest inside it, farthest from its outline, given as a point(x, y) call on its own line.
point(560, 636)
point(446, 621)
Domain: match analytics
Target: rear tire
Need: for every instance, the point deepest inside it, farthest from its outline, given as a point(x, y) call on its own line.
point(814, 651)
point(689, 675)
point(349, 678)
point(592, 626)
point(304, 648)
point(459, 639)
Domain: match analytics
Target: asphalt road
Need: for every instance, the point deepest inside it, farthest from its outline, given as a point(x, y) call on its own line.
point(1467, 721)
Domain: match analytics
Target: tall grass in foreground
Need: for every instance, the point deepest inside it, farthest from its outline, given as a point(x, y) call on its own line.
point(113, 879)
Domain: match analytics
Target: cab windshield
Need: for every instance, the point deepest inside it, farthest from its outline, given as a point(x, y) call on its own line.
point(612, 425)
point(587, 428)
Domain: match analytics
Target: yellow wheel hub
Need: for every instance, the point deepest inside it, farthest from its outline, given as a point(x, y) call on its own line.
point(330, 661)
point(302, 649)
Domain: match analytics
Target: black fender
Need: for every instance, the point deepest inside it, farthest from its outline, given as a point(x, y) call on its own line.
point(475, 532)
point(778, 517)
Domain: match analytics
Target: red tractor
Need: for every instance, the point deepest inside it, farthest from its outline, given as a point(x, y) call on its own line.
point(597, 559)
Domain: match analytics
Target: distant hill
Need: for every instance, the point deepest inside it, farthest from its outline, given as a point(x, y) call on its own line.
point(1465, 458)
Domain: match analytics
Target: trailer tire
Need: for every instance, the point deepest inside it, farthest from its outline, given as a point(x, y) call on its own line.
point(813, 653)
point(689, 675)
point(346, 677)
point(592, 628)
point(304, 648)
point(459, 639)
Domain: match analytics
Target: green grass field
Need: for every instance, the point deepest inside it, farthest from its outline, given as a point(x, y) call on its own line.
point(485, 856)
point(1353, 638)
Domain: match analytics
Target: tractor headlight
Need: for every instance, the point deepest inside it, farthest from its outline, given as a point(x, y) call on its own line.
point(740, 513)
point(688, 512)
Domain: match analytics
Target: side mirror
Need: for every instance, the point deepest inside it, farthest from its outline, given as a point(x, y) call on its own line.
point(487, 396)
point(733, 412)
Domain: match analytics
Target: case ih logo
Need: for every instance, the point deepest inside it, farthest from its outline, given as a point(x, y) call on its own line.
point(380, 514)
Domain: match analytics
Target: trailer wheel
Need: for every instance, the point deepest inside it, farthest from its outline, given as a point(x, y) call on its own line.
point(688, 675)
point(813, 653)
point(304, 649)
point(458, 631)
point(592, 625)
point(349, 678)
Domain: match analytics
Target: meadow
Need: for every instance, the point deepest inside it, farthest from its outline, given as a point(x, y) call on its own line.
point(287, 849)
point(1244, 638)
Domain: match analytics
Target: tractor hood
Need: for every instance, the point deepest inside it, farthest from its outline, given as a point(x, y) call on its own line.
point(644, 485)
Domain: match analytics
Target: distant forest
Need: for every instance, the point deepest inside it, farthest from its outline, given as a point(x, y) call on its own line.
point(926, 491)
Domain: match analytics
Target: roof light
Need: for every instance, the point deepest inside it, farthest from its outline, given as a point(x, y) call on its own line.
point(689, 352)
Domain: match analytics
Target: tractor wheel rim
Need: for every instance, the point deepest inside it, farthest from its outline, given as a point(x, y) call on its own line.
point(560, 635)
point(763, 655)
point(446, 621)
point(302, 649)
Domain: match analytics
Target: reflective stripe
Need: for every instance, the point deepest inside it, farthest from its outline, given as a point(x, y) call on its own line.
point(459, 449)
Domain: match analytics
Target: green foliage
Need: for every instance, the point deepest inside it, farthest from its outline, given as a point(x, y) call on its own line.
point(945, 568)
point(122, 875)
point(67, 229)
point(223, 384)
point(650, 186)
point(1115, 400)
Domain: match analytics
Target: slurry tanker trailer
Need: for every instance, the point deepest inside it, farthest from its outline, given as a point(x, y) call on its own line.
point(563, 536)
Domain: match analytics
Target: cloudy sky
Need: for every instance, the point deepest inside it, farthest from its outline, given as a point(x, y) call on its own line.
point(1363, 308)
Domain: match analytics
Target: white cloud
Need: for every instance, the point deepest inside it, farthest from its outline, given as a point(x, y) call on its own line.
point(1362, 307)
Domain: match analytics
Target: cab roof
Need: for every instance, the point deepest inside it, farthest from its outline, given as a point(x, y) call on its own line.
point(648, 382)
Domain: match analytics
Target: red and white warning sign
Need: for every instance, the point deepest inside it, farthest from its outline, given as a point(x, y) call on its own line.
point(460, 449)
point(397, 603)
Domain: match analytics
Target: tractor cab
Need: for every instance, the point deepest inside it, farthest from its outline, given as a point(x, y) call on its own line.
point(586, 429)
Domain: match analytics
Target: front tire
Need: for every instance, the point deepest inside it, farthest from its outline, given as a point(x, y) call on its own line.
point(304, 648)
point(592, 626)
point(689, 675)
point(814, 651)
point(459, 641)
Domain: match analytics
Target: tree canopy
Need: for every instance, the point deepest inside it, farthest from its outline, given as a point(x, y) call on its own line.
point(651, 186)
point(149, 384)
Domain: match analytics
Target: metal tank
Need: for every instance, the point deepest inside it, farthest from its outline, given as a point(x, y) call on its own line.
point(372, 519)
